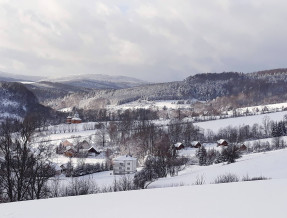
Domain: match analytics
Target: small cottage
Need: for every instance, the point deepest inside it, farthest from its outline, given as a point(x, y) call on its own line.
point(178, 146)
point(222, 142)
point(84, 145)
point(195, 144)
point(75, 119)
point(242, 147)
point(66, 143)
point(124, 165)
point(70, 151)
point(90, 152)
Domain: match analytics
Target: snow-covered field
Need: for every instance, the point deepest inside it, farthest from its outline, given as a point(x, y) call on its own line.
point(170, 104)
point(262, 199)
point(270, 164)
point(216, 125)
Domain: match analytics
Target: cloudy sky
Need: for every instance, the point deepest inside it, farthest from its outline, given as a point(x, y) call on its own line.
point(154, 40)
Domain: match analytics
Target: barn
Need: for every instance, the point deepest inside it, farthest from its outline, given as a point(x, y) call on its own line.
point(178, 146)
point(75, 119)
point(222, 142)
point(195, 144)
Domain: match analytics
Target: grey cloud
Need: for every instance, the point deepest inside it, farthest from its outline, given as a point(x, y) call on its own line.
point(152, 40)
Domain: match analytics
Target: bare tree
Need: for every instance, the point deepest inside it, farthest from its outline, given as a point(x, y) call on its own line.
point(25, 168)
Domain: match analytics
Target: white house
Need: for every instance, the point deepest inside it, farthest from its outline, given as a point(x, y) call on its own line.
point(124, 165)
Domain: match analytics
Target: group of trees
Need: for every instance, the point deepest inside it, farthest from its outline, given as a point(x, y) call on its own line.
point(266, 129)
point(162, 161)
point(227, 154)
point(83, 168)
point(25, 167)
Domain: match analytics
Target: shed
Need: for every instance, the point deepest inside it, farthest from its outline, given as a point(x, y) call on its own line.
point(178, 146)
point(195, 144)
point(222, 142)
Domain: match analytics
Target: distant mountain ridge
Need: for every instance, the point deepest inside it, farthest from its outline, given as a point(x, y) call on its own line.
point(98, 81)
point(16, 102)
point(239, 88)
point(10, 77)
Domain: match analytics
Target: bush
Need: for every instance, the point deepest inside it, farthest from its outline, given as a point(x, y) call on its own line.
point(227, 178)
point(247, 178)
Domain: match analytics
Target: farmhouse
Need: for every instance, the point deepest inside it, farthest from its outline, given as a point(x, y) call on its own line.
point(242, 147)
point(66, 143)
point(84, 145)
point(222, 142)
point(75, 119)
point(195, 144)
point(89, 152)
point(70, 151)
point(178, 146)
point(124, 165)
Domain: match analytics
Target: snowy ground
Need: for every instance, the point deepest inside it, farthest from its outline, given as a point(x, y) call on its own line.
point(215, 125)
point(144, 104)
point(270, 164)
point(262, 199)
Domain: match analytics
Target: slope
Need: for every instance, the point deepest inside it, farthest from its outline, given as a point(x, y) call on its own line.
point(262, 199)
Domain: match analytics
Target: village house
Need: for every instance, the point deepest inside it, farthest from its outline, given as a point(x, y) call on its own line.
point(75, 119)
point(124, 165)
point(83, 145)
point(242, 147)
point(195, 144)
point(66, 143)
point(222, 142)
point(178, 146)
point(70, 151)
point(89, 152)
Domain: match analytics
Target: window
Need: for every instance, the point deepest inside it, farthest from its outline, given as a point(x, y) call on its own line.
point(129, 163)
point(128, 168)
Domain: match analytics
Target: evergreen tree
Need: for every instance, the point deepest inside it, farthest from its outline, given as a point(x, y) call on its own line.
point(202, 156)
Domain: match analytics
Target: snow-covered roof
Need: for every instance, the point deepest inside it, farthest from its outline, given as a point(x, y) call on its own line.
point(177, 144)
point(194, 143)
point(220, 141)
point(76, 118)
point(125, 157)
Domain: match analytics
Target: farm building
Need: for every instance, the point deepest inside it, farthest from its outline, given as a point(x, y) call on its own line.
point(195, 144)
point(89, 152)
point(222, 142)
point(66, 143)
point(124, 165)
point(242, 147)
point(75, 119)
point(70, 151)
point(84, 145)
point(178, 146)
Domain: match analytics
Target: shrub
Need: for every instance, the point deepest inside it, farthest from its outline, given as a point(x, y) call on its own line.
point(227, 178)
point(247, 178)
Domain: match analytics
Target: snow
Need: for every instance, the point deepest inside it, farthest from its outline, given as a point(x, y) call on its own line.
point(145, 104)
point(270, 164)
point(216, 125)
point(61, 159)
point(262, 199)
point(123, 158)
point(67, 109)
point(178, 144)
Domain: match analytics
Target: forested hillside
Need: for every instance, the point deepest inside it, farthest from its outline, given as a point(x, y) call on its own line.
point(232, 88)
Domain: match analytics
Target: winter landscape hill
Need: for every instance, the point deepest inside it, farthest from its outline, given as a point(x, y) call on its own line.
point(249, 199)
point(230, 89)
point(18, 102)
point(98, 81)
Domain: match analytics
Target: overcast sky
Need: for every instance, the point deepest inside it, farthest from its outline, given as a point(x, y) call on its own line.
point(154, 40)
